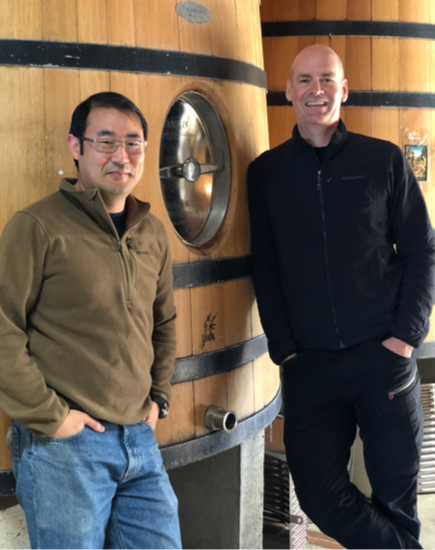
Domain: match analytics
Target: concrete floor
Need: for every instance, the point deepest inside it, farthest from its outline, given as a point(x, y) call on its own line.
point(426, 510)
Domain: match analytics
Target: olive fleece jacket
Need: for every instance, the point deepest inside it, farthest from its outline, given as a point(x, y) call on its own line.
point(87, 320)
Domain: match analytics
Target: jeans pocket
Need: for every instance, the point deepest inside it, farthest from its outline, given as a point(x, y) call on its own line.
point(20, 441)
point(55, 440)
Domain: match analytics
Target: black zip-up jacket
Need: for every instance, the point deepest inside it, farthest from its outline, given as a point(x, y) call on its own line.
point(342, 252)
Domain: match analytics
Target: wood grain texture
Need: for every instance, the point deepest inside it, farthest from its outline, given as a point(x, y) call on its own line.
point(281, 123)
point(60, 20)
point(93, 82)
point(207, 392)
point(248, 33)
point(266, 10)
point(256, 22)
point(385, 124)
point(307, 9)
point(156, 24)
point(358, 67)
point(266, 376)
point(126, 84)
point(415, 68)
point(179, 425)
point(21, 19)
point(224, 33)
point(415, 11)
point(286, 11)
point(278, 55)
point(92, 21)
point(359, 120)
point(361, 10)
point(225, 305)
point(432, 65)
point(331, 10)
point(257, 329)
point(63, 84)
point(183, 322)
point(240, 391)
point(22, 123)
point(386, 70)
point(385, 10)
point(339, 45)
point(249, 103)
point(121, 22)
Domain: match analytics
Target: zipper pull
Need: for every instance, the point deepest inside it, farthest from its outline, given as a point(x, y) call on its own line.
point(120, 248)
point(319, 173)
point(129, 243)
point(391, 395)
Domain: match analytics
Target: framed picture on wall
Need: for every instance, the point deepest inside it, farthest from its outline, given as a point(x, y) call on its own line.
point(418, 159)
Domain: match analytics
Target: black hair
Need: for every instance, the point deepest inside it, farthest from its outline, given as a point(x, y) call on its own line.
point(106, 100)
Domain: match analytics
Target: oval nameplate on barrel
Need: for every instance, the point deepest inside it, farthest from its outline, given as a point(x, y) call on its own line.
point(193, 12)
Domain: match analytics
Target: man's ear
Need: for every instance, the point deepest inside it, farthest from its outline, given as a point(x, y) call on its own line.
point(288, 92)
point(74, 146)
point(345, 94)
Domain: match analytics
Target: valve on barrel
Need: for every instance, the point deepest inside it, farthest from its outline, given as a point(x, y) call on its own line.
point(217, 418)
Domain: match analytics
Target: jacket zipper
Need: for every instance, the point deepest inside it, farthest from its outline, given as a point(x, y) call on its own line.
point(133, 260)
point(392, 394)
point(325, 248)
point(125, 268)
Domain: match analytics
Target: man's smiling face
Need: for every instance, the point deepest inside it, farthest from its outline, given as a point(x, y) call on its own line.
point(115, 174)
point(316, 88)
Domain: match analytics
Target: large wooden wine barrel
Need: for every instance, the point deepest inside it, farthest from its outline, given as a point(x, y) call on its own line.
point(54, 54)
point(388, 51)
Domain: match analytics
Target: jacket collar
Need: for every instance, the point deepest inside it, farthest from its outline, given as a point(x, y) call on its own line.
point(92, 203)
point(336, 142)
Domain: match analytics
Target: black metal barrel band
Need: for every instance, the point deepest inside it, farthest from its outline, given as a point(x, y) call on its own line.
point(105, 57)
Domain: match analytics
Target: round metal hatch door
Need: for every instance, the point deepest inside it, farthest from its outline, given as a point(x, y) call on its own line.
point(195, 169)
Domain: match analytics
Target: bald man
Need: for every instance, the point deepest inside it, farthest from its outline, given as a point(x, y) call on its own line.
point(344, 269)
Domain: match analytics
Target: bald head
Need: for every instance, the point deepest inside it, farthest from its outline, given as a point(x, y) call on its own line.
point(316, 51)
point(317, 88)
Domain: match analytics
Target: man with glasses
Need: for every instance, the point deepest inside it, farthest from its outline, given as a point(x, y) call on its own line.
point(88, 345)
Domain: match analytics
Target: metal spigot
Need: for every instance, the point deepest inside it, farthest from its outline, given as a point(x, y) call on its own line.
point(217, 418)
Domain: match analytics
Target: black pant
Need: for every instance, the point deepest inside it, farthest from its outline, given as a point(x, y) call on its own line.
point(326, 395)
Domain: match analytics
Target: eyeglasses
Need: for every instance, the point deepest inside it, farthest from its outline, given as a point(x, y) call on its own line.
point(110, 146)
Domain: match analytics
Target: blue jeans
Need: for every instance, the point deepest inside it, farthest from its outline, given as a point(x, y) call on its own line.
point(326, 395)
point(94, 490)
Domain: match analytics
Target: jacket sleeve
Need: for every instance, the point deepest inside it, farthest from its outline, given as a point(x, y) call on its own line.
point(266, 276)
point(415, 244)
point(163, 338)
point(24, 394)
